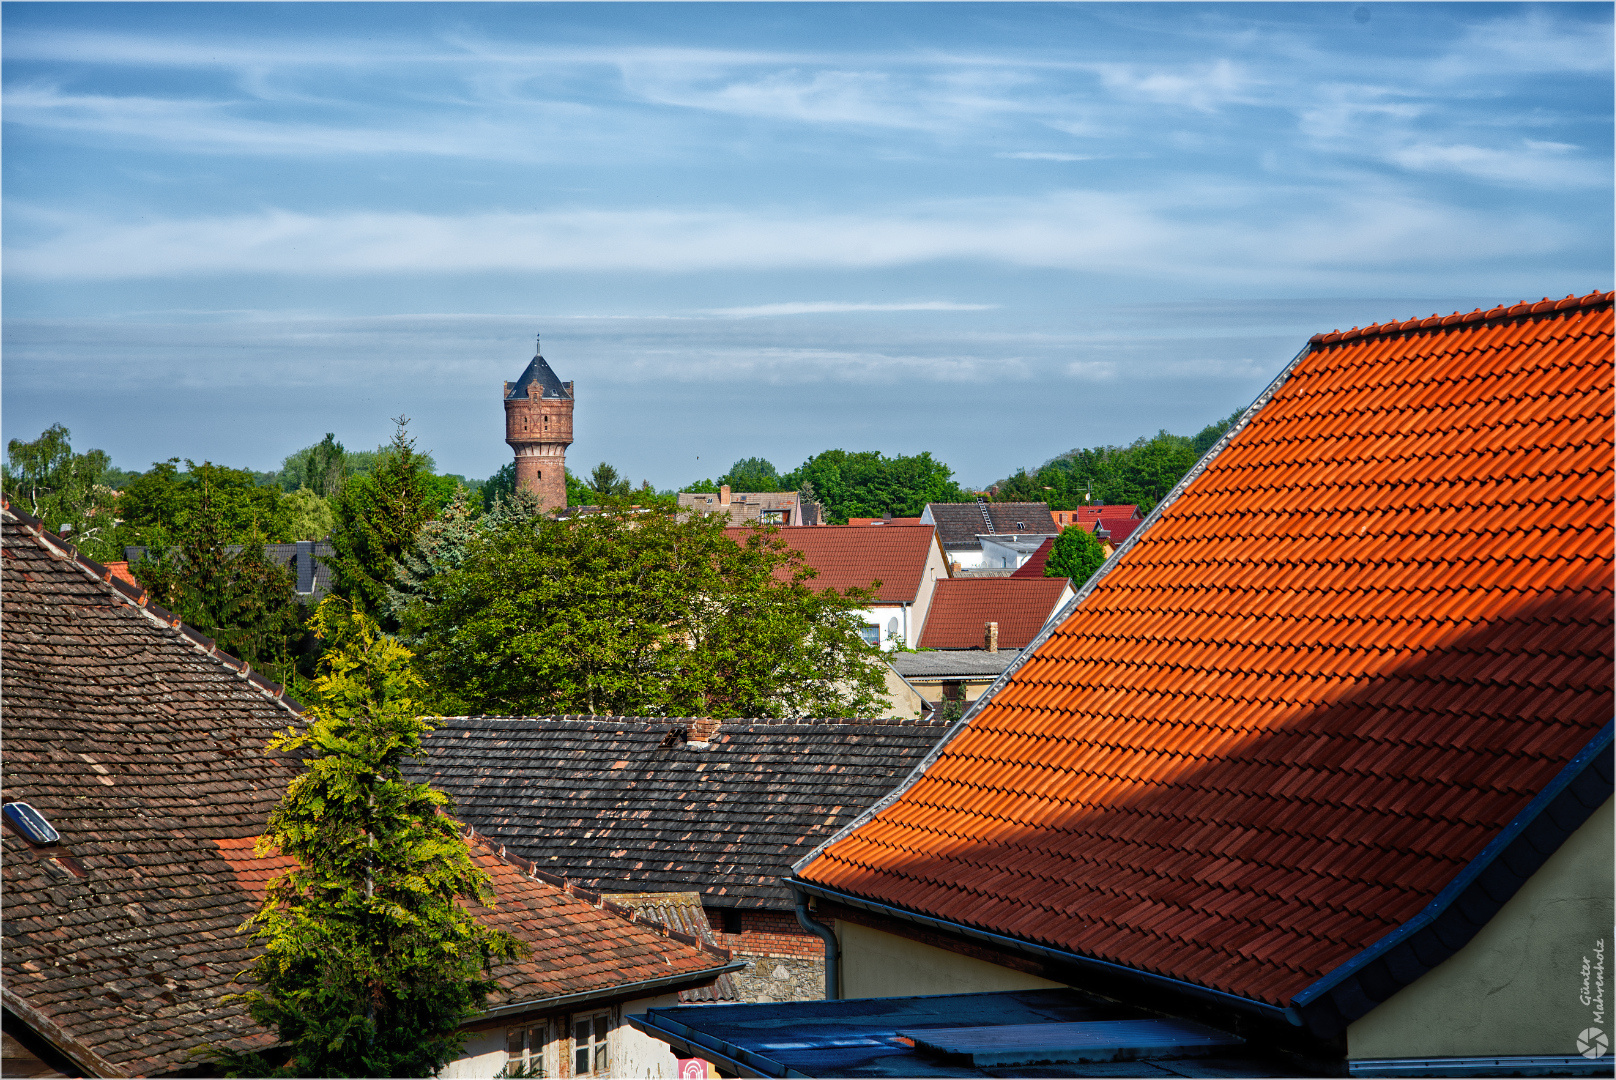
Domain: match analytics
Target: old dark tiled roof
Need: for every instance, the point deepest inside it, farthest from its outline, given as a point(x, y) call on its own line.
point(143, 751)
point(538, 371)
point(627, 804)
point(959, 524)
point(142, 745)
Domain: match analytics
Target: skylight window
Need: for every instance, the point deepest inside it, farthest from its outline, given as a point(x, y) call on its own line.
point(31, 823)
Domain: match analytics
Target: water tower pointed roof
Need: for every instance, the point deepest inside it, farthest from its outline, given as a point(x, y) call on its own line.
point(538, 371)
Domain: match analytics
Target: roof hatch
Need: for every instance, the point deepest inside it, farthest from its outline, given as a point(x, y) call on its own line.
point(31, 823)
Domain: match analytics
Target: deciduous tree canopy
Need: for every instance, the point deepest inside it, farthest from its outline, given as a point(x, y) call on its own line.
point(1140, 473)
point(1075, 555)
point(47, 479)
point(869, 484)
point(636, 612)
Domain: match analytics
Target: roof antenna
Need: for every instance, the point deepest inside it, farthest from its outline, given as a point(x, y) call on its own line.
point(538, 343)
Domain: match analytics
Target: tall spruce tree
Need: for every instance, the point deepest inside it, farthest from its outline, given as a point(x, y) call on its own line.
point(370, 964)
point(378, 516)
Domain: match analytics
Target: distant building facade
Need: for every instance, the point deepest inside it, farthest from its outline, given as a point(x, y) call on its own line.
point(538, 427)
point(762, 507)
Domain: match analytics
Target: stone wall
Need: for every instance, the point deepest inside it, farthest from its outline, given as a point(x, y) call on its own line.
point(777, 978)
point(784, 962)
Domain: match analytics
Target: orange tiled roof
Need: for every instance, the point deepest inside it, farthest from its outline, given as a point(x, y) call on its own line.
point(849, 556)
point(1297, 709)
point(959, 607)
point(580, 943)
point(884, 521)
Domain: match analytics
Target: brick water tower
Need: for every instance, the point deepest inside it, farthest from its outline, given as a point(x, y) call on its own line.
point(538, 426)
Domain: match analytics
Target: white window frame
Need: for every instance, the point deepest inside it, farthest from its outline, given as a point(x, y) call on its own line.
point(529, 1055)
point(598, 1050)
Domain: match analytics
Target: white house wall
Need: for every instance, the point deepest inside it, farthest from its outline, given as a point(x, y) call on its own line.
point(633, 1053)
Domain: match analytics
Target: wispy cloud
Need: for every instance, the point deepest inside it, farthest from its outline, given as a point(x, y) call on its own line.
point(1198, 234)
point(832, 307)
point(1528, 164)
point(1045, 155)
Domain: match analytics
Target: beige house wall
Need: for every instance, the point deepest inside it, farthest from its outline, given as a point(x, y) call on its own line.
point(936, 567)
point(1517, 987)
point(903, 700)
point(878, 964)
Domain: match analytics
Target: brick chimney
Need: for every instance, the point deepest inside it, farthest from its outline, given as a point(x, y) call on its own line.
point(723, 495)
point(703, 730)
point(990, 636)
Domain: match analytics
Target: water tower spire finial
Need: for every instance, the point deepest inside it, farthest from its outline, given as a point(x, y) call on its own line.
point(538, 343)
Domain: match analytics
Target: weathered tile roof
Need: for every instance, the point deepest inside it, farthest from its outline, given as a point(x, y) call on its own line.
point(627, 803)
point(142, 745)
point(959, 524)
point(1372, 638)
point(681, 911)
point(923, 667)
point(849, 556)
point(960, 607)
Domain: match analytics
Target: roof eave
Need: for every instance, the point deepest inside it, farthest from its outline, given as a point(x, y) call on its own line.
point(1474, 896)
point(667, 984)
point(1144, 979)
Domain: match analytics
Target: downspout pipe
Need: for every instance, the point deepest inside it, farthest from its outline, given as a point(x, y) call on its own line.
point(833, 948)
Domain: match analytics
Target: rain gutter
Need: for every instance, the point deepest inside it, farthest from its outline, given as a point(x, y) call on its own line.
point(833, 948)
point(645, 988)
point(1271, 1013)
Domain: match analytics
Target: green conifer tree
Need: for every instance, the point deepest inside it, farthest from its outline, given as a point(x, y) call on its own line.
point(370, 965)
point(378, 516)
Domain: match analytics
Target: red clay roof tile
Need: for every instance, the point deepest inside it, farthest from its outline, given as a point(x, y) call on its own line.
point(857, 556)
point(1343, 659)
point(960, 607)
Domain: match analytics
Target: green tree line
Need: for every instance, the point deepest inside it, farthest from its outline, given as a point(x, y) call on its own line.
point(1142, 472)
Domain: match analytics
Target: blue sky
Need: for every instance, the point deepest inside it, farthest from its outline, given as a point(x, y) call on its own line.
point(991, 231)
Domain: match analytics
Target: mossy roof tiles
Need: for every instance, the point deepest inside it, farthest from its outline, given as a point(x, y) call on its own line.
point(143, 746)
point(1349, 652)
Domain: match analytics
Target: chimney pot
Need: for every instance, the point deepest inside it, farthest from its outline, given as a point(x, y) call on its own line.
point(990, 636)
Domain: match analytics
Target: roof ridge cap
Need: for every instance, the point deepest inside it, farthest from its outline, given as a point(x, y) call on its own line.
point(1501, 312)
point(138, 598)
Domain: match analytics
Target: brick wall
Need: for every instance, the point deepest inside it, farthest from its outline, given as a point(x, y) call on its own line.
point(765, 933)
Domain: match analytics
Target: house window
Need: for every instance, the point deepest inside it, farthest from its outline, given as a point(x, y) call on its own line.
point(772, 517)
point(589, 1055)
point(524, 1051)
point(872, 634)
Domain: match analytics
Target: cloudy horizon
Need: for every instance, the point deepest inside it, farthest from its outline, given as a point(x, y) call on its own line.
point(994, 232)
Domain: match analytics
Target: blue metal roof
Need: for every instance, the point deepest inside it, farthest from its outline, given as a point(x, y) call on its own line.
point(877, 1036)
